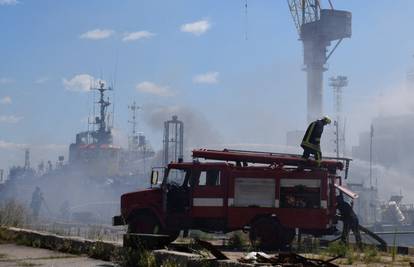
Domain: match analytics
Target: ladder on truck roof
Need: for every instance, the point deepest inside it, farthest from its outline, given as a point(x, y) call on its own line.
point(244, 156)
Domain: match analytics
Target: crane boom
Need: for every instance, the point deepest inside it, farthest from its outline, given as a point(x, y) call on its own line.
point(304, 11)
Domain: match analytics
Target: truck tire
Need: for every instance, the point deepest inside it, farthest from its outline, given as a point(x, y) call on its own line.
point(147, 223)
point(144, 223)
point(266, 233)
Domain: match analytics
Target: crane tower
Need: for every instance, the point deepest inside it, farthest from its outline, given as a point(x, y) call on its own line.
point(317, 28)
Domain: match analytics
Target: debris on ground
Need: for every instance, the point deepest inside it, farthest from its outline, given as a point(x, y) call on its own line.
point(213, 250)
point(286, 259)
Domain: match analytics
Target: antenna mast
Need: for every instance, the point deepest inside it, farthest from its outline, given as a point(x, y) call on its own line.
point(103, 134)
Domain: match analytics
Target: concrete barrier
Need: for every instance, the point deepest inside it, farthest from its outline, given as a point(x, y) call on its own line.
point(104, 250)
point(110, 251)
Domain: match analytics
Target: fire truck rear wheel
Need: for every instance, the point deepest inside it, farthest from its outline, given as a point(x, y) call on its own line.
point(266, 233)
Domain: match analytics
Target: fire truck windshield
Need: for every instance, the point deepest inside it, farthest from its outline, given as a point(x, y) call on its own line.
point(175, 176)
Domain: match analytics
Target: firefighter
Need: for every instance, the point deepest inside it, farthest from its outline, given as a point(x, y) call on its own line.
point(349, 219)
point(312, 139)
point(37, 199)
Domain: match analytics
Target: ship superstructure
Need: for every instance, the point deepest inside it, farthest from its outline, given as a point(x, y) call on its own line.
point(94, 151)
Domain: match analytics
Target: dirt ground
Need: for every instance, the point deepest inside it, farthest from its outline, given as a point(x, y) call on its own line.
point(14, 255)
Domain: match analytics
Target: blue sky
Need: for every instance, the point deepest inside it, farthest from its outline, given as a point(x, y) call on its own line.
point(191, 54)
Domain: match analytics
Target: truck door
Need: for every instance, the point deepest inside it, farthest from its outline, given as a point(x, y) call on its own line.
point(208, 198)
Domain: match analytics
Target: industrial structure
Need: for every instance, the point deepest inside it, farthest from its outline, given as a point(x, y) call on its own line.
point(317, 28)
point(139, 149)
point(173, 143)
point(133, 139)
point(338, 83)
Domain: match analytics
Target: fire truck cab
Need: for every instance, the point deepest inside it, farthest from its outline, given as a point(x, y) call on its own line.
point(270, 195)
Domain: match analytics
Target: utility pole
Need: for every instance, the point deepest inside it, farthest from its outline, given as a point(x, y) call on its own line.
point(370, 154)
point(336, 124)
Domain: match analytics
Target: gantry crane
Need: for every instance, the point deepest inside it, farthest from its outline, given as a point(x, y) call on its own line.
point(317, 28)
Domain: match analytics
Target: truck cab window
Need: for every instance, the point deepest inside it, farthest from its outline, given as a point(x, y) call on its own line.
point(176, 176)
point(209, 178)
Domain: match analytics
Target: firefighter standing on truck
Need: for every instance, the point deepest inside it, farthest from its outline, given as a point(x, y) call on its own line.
point(311, 142)
point(349, 219)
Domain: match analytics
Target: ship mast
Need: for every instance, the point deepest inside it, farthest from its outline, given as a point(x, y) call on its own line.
point(103, 134)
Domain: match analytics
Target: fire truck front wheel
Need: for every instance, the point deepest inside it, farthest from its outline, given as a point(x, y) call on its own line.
point(144, 223)
point(266, 233)
point(147, 223)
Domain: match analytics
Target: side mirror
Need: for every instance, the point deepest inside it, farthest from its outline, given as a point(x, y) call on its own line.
point(154, 177)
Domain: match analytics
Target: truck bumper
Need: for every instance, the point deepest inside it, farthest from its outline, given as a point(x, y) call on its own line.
point(118, 220)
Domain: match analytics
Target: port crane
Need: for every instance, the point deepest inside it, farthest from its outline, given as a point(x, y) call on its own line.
point(317, 28)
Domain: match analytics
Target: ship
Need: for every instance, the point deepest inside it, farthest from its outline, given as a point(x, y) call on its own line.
point(87, 187)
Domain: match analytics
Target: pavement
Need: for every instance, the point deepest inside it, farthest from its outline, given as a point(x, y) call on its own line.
point(14, 255)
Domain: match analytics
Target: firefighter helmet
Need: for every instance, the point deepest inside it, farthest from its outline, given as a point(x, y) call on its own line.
point(326, 119)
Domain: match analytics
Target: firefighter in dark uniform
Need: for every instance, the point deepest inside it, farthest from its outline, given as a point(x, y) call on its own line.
point(37, 199)
point(349, 219)
point(312, 139)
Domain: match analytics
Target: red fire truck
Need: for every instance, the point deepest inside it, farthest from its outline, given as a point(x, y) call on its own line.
point(270, 195)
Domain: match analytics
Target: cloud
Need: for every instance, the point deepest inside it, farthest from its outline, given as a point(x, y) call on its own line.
point(10, 119)
point(8, 2)
point(41, 80)
point(152, 88)
point(209, 77)
point(6, 100)
point(97, 34)
point(197, 28)
point(80, 83)
point(9, 145)
point(50, 146)
point(5, 80)
point(133, 36)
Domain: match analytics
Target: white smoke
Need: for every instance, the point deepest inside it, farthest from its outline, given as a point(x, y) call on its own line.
point(197, 129)
point(396, 103)
point(390, 181)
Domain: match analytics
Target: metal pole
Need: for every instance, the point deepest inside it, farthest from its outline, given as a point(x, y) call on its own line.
point(144, 154)
point(370, 156)
point(176, 142)
point(337, 138)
